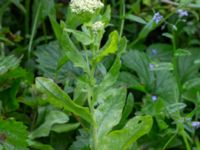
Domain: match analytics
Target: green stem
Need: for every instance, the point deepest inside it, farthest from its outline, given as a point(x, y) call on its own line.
point(176, 74)
point(34, 29)
point(27, 5)
point(122, 14)
point(168, 142)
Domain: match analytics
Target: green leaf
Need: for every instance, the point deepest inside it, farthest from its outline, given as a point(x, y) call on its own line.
point(134, 18)
point(81, 36)
point(59, 128)
point(54, 117)
point(193, 83)
point(82, 141)
point(39, 146)
point(124, 138)
point(182, 52)
point(110, 47)
point(175, 107)
point(45, 8)
point(72, 52)
point(52, 63)
point(187, 67)
point(8, 63)
point(60, 98)
point(109, 111)
point(162, 66)
point(150, 26)
point(13, 135)
point(160, 82)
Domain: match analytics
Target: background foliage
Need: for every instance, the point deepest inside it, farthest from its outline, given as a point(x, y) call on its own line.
point(132, 85)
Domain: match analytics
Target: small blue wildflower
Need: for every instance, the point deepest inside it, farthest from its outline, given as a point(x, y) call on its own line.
point(154, 98)
point(154, 51)
point(151, 66)
point(196, 124)
point(157, 17)
point(182, 13)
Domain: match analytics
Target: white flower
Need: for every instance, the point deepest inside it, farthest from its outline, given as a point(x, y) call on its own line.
point(97, 26)
point(81, 6)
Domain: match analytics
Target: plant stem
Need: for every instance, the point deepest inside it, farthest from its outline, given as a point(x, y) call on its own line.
point(27, 5)
point(34, 28)
point(176, 74)
point(168, 142)
point(122, 14)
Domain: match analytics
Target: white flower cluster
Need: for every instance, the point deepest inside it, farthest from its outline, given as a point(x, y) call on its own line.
point(81, 6)
point(97, 26)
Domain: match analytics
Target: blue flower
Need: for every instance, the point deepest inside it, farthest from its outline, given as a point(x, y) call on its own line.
point(154, 51)
point(151, 66)
point(154, 98)
point(157, 17)
point(196, 124)
point(182, 12)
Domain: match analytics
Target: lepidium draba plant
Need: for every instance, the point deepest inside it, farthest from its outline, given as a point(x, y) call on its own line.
point(98, 103)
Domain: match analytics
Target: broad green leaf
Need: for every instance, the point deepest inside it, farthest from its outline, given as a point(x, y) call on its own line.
point(187, 67)
point(132, 17)
point(124, 138)
point(54, 117)
point(161, 52)
point(110, 47)
point(160, 82)
point(52, 63)
point(13, 135)
point(130, 81)
point(109, 111)
point(60, 98)
point(81, 36)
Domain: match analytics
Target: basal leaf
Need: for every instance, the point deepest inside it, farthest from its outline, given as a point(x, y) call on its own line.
point(54, 117)
point(82, 141)
point(8, 63)
point(60, 98)
point(13, 135)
